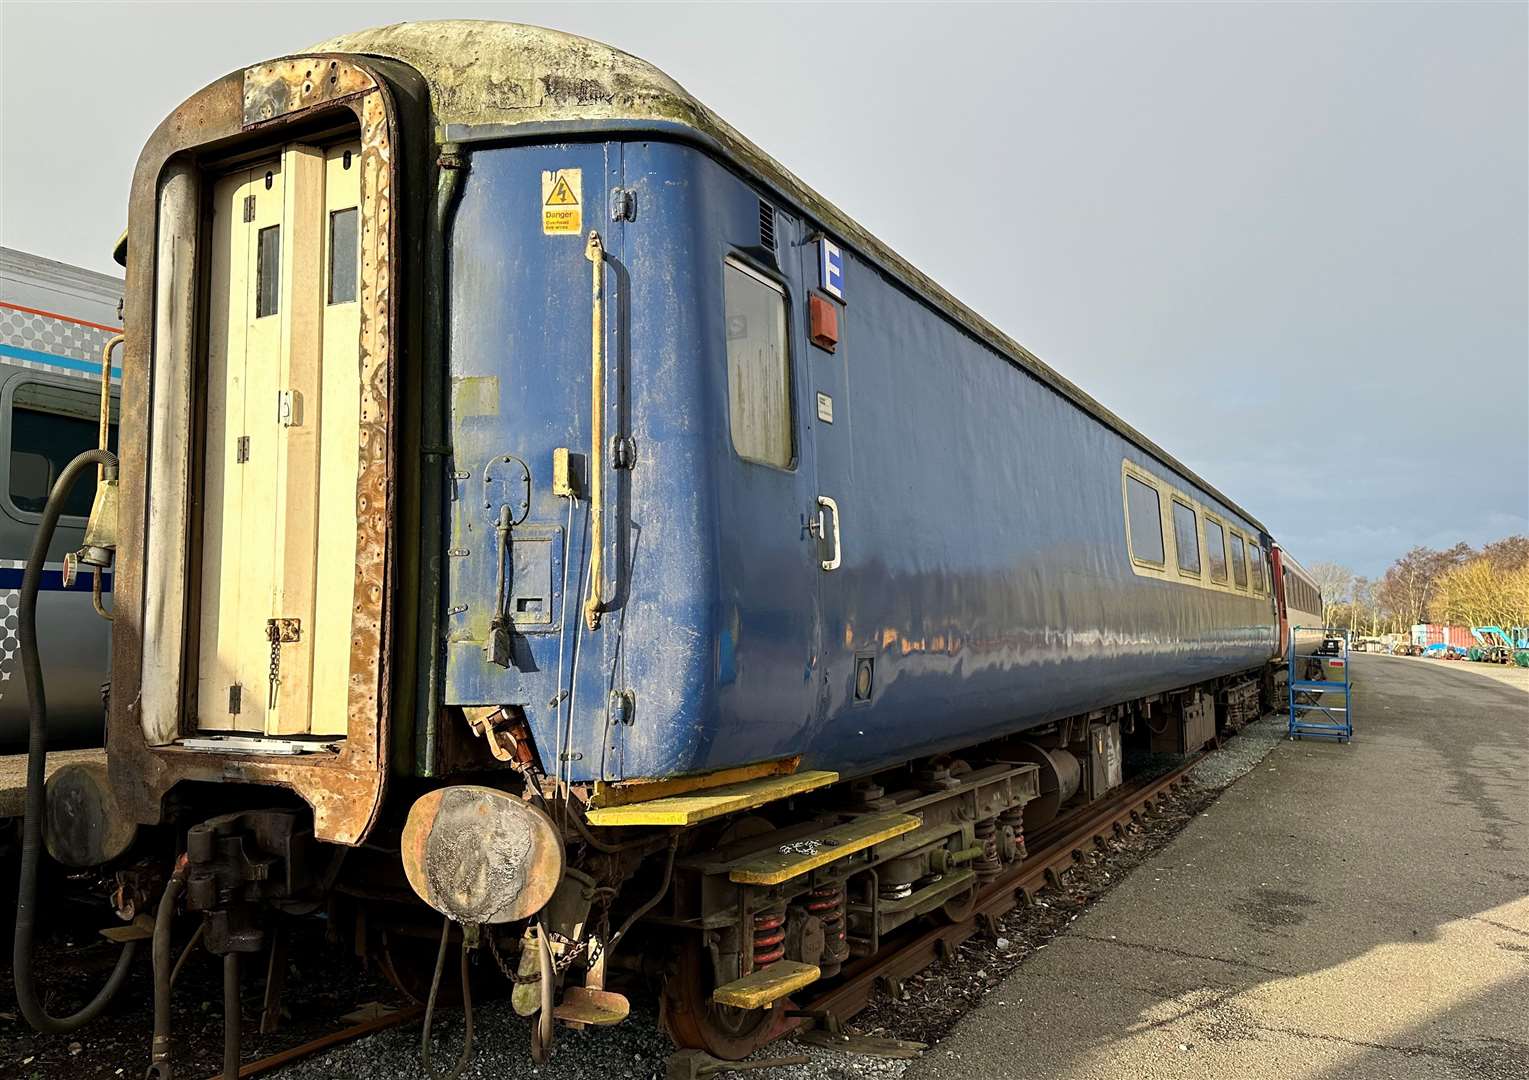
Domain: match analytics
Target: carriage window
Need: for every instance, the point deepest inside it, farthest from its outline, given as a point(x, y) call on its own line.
point(50, 426)
point(1239, 567)
point(1145, 518)
point(343, 253)
point(1186, 539)
point(267, 271)
point(1256, 557)
point(758, 368)
point(1215, 549)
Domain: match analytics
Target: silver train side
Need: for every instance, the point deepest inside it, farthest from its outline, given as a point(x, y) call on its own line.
point(54, 321)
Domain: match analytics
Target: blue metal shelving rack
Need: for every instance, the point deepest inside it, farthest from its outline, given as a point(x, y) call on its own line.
point(1335, 722)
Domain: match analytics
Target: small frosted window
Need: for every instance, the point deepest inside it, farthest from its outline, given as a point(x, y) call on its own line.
point(1186, 539)
point(343, 252)
point(268, 271)
point(758, 369)
point(1215, 550)
point(1144, 513)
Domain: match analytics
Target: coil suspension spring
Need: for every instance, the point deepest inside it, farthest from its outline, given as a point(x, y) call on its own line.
point(1014, 820)
point(988, 866)
point(769, 937)
point(827, 903)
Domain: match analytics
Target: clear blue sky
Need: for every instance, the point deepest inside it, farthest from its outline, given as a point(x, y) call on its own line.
point(1289, 242)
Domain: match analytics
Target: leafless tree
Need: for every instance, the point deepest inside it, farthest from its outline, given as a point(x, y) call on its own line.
point(1334, 581)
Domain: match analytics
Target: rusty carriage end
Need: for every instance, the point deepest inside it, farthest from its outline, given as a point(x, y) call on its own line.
point(164, 441)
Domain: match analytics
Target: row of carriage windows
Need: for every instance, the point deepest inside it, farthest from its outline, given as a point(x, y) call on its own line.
point(1226, 552)
point(760, 414)
point(1301, 595)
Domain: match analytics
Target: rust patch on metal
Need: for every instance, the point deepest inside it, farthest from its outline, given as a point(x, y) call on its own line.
point(344, 789)
point(287, 86)
point(480, 855)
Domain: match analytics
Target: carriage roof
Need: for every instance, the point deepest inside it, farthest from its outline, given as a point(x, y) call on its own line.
point(489, 78)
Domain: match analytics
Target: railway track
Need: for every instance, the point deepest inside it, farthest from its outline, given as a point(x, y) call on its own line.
point(1054, 851)
point(385, 1022)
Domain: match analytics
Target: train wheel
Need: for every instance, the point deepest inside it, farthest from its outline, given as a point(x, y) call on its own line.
point(958, 909)
point(693, 1021)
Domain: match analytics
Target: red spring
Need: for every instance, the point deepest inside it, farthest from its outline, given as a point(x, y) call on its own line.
point(769, 938)
point(827, 903)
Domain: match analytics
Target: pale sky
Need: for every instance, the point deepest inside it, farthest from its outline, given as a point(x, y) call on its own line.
point(1290, 243)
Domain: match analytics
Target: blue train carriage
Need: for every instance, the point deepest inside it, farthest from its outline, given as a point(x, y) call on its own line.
point(526, 476)
point(55, 322)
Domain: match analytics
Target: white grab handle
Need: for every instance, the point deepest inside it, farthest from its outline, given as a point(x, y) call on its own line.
point(825, 503)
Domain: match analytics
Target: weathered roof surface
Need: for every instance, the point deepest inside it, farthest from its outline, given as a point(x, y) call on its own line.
point(498, 73)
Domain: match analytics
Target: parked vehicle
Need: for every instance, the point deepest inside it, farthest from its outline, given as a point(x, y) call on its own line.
point(55, 320)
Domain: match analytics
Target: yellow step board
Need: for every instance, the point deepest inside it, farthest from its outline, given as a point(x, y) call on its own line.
point(778, 864)
point(765, 987)
point(705, 805)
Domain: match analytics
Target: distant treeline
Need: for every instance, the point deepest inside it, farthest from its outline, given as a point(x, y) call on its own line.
point(1460, 586)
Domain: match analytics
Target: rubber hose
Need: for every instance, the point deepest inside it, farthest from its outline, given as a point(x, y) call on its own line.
point(196, 939)
point(164, 975)
point(27, 995)
point(467, 1011)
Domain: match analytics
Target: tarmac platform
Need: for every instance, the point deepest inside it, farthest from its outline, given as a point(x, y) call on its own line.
point(13, 775)
point(1356, 911)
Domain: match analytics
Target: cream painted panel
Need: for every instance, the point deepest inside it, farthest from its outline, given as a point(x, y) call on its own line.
point(255, 547)
point(340, 456)
point(229, 315)
point(298, 423)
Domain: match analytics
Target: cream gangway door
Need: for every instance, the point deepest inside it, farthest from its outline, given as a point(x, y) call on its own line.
point(283, 428)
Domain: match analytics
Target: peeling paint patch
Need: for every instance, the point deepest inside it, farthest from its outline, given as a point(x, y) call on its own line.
point(475, 395)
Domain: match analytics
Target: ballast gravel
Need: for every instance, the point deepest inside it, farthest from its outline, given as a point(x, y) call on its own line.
point(930, 1002)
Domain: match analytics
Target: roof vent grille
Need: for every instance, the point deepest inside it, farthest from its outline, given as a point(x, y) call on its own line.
point(766, 225)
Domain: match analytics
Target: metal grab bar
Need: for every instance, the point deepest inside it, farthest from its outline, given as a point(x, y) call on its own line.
point(594, 251)
point(825, 503)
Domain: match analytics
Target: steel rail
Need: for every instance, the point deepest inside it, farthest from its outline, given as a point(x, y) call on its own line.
point(1057, 849)
point(286, 1057)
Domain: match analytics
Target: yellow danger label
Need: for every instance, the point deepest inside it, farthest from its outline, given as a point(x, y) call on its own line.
point(562, 199)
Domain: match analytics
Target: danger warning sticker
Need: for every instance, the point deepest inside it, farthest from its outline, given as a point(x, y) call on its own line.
point(562, 199)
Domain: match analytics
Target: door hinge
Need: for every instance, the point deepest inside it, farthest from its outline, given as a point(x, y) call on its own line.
point(242, 453)
point(249, 208)
point(623, 204)
point(235, 697)
point(623, 452)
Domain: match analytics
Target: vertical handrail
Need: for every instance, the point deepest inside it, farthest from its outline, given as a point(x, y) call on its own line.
point(105, 426)
point(594, 251)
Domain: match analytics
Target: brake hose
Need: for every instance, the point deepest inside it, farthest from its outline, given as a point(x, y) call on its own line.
point(467, 1009)
point(27, 995)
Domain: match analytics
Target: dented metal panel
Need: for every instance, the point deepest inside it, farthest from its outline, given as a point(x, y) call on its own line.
point(287, 86)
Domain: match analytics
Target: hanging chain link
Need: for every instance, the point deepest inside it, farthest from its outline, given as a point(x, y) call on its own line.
point(274, 634)
point(278, 632)
point(572, 951)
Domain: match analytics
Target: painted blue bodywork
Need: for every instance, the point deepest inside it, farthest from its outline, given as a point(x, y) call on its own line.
point(985, 568)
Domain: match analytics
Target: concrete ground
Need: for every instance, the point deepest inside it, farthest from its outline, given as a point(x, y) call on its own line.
point(1354, 910)
point(13, 776)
